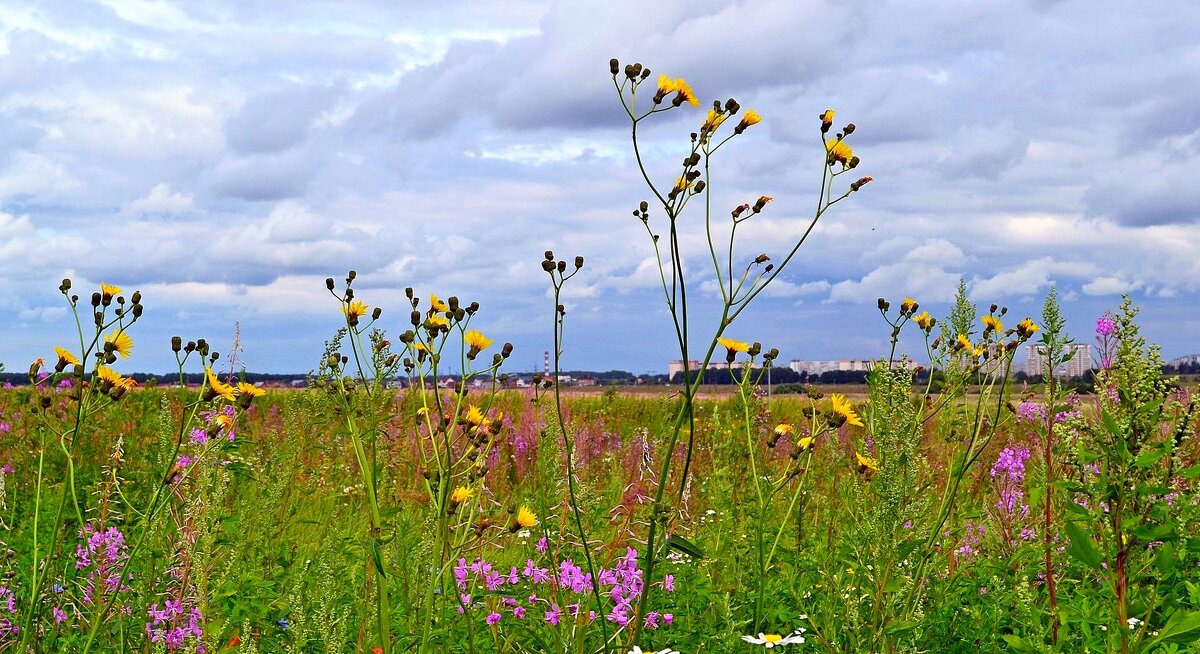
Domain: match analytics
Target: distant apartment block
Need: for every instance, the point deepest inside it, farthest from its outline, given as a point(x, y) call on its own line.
point(676, 366)
point(1079, 365)
point(817, 367)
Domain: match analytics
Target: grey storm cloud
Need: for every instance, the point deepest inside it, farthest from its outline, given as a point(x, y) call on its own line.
point(227, 156)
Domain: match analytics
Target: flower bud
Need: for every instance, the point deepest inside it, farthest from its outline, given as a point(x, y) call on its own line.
point(549, 255)
point(329, 283)
point(548, 266)
point(376, 313)
point(415, 318)
point(644, 206)
point(136, 298)
point(472, 307)
point(96, 297)
point(176, 343)
point(614, 66)
point(350, 276)
point(578, 262)
point(848, 129)
point(562, 266)
point(137, 311)
point(883, 304)
point(506, 351)
point(699, 188)
point(762, 258)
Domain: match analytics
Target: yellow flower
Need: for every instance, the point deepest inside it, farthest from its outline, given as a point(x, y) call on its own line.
point(109, 289)
point(121, 342)
point(476, 340)
point(751, 117)
point(924, 320)
point(218, 388)
point(827, 117)
point(526, 517)
point(845, 409)
point(909, 305)
point(839, 151)
point(224, 421)
point(474, 415)
point(712, 121)
point(1027, 328)
point(682, 184)
point(866, 463)
point(246, 389)
point(437, 304)
point(685, 93)
point(784, 429)
point(462, 494)
point(354, 310)
point(993, 323)
point(978, 352)
point(109, 375)
point(666, 85)
point(805, 443)
point(436, 322)
point(734, 346)
point(65, 356)
point(964, 343)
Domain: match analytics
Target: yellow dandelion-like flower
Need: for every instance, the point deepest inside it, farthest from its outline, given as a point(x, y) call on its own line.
point(667, 85)
point(436, 322)
point(682, 184)
point(462, 494)
point(109, 375)
point(924, 320)
point(734, 346)
point(437, 304)
point(712, 121)
point(526, 518)
point(845, 409)
point(866, 463)
point(964, 343)
point(805, 443)
point(978, 352)
point(247, 389)
point(219, 388)
point(66, 356)
point(784, 429)
point(476, 340)
point(751, 117)
point(127, 383)
point(993, 323)
point(1027, 328)
point(354, 310)
point(121, 342)
point(109, 289)
point(474, 415)
point(909, 305)
point(224, 421)
point(827, 117)
point(839, 151)
point(686, 93)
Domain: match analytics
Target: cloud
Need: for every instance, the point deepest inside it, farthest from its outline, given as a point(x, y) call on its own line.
point(160, 200)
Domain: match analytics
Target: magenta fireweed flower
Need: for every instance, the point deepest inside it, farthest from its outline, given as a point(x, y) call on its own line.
point(493, 618)
point(1106, 325)
point(1031, 412)
point(60, 616)
point(102, 554)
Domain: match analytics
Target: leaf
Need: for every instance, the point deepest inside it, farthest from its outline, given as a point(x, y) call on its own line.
point(1110, 424)
point(677, 542)
point(1181, 627)
point(1018, 645)
point(1190, 473)
point(1082, 547)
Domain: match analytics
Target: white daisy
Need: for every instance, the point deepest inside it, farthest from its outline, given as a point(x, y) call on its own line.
point(774, 640)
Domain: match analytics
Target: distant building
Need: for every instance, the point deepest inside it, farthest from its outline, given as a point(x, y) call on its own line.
point(818, 367)
point(675, 367)
point(1079, 365)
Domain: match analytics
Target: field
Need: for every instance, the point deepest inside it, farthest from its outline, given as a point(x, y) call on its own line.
point(953, 512)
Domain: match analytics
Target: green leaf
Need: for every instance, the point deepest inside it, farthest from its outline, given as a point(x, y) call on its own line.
point(1190, 473)
point(1018, 645)
point(1110, 424)
point(1181, 627)
point(677, 542)
point(1082, 547)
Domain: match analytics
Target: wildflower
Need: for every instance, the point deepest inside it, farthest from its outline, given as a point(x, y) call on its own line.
point(924, 321)
point(908, 306)
point(493, 618)
point(526, 518)
point(436, 304)
point(804, 443)
point(1027, 328)
point(110, 290)
point(826, 120)
point(109, 378)
point(246, 392)
point(992, 323)
point(436, 322)
point(774, 640)
point(354, 310)
point(477, 342)
point(218, 388)
point(684, 93)
point(843, 408)
point(122, 344)
point(65, 358)
point(838, 151)
point(712, 121)
point(474, 415)
point(682, 184)
point(963, 343)
point(784, 429)
point(751, 117)
point(734, 346)
point(462, 494)
point(866, 464)
point(1106, 325)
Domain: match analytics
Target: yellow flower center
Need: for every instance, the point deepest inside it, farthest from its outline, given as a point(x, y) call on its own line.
point(772, 638)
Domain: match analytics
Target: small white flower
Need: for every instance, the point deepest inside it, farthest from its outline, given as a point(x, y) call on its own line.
point(638, 650)
point(1134, 622)
point(774, 640)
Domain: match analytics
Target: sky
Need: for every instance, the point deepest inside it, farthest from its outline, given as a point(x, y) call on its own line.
point(226, 157)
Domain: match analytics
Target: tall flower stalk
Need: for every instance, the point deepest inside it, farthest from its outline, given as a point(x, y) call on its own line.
point(695, 177)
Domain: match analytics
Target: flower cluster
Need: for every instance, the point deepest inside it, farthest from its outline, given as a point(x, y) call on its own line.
point(103, 554)
point(174, 624)
point(545, 590)
point(1008, 473)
